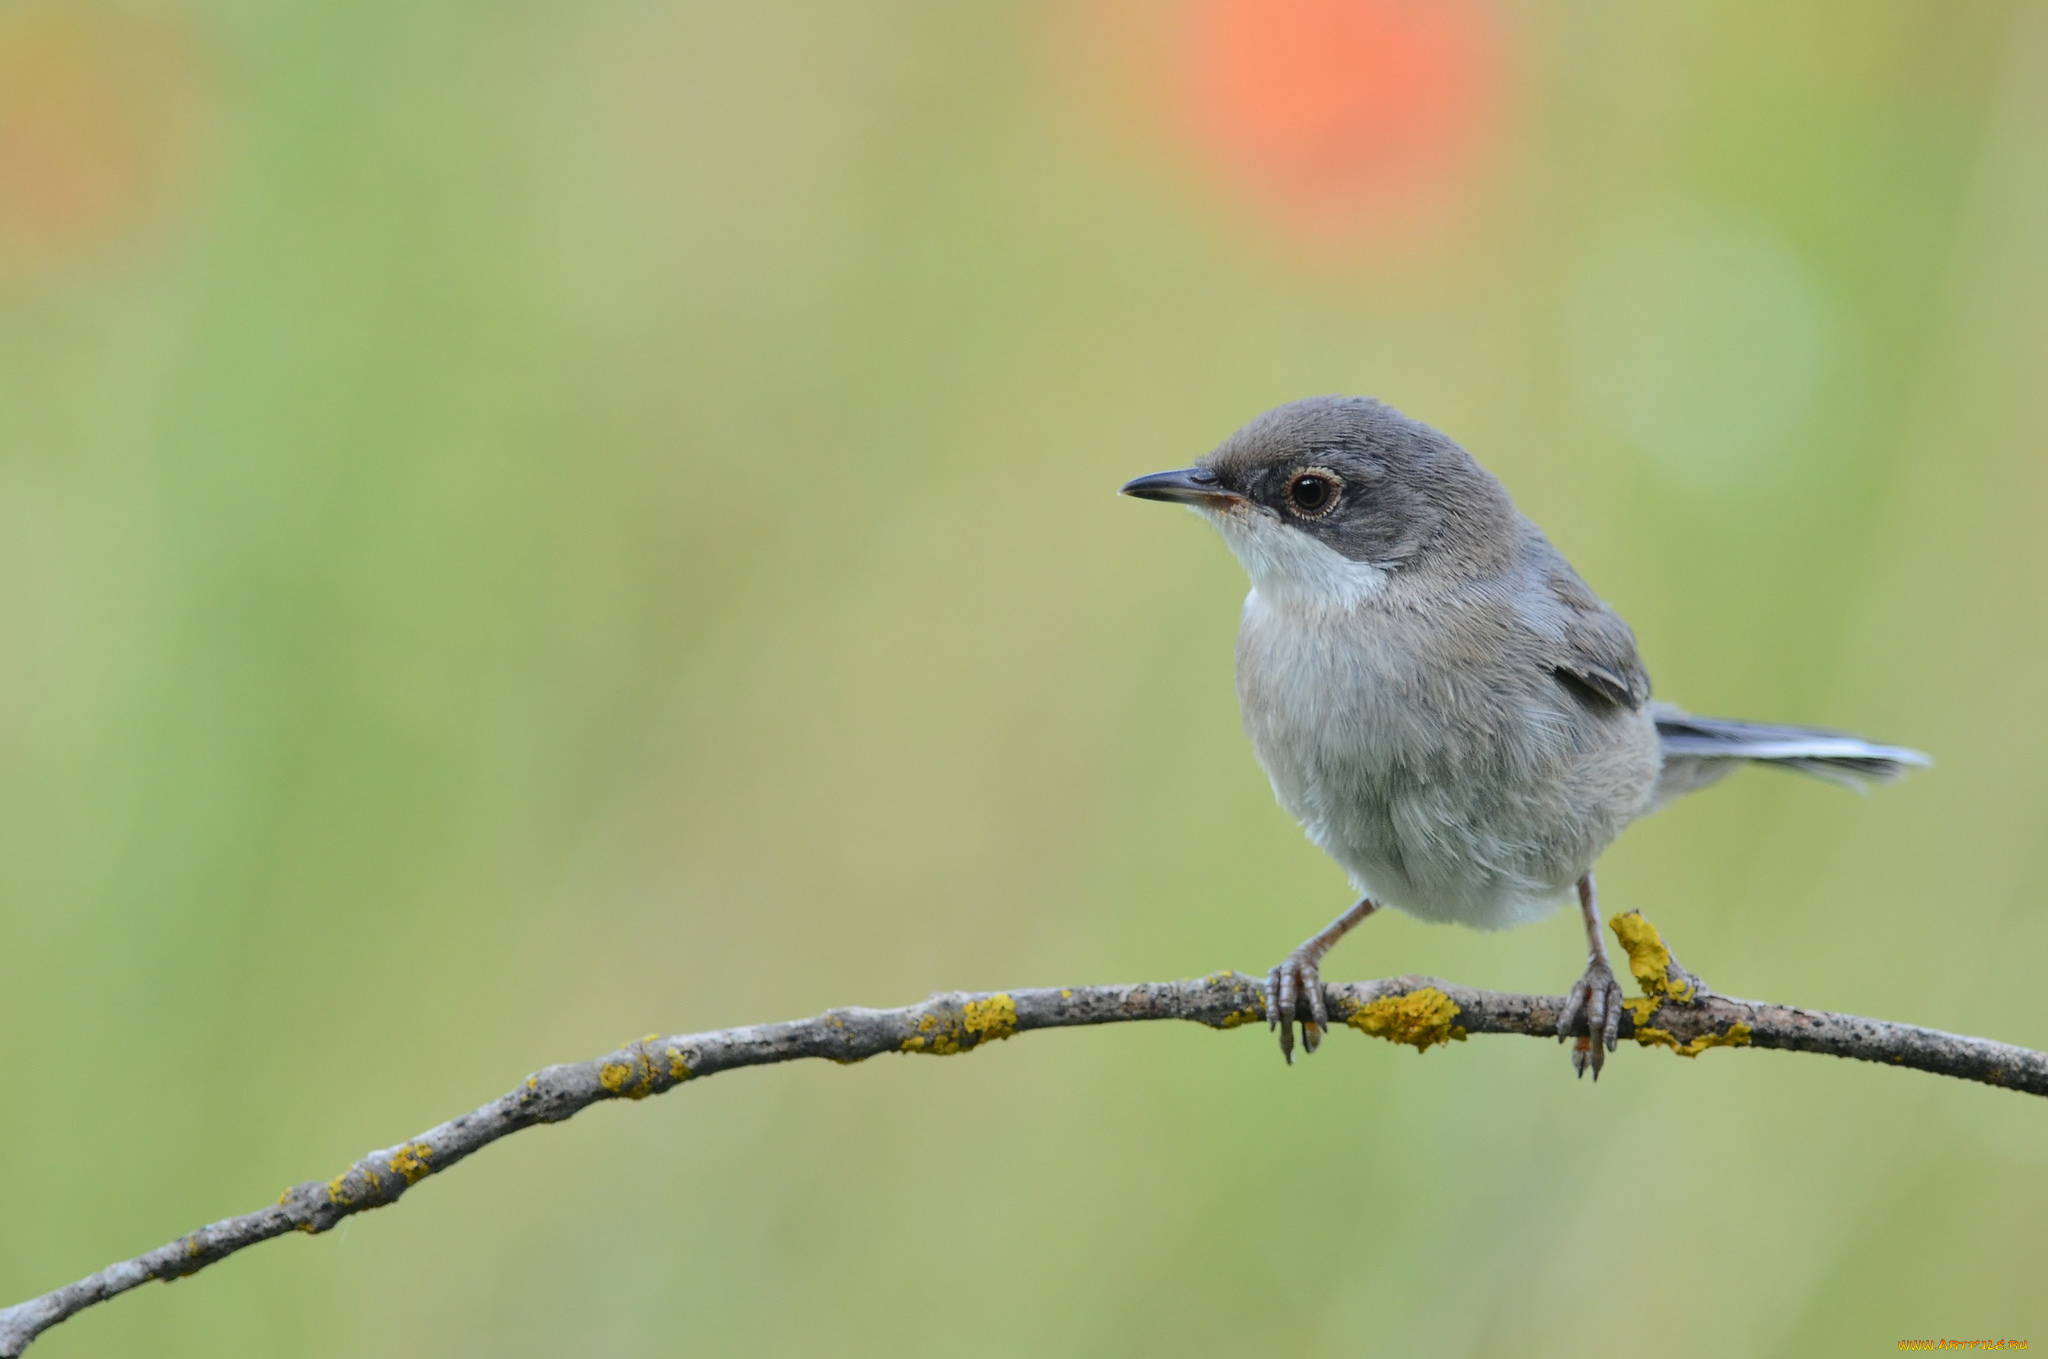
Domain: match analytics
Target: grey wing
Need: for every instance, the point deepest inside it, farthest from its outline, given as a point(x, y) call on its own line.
point(1593, 652)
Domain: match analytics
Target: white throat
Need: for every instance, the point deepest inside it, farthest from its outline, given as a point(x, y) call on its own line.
point(1291, 569)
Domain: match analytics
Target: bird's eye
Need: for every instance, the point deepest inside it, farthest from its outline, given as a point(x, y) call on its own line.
point(1312, 493)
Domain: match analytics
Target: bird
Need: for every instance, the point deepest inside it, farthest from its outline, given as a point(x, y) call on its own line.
point(1440, 700)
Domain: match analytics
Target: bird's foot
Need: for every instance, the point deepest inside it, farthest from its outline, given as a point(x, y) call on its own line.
point(1297, 977)
point(1592, 1014)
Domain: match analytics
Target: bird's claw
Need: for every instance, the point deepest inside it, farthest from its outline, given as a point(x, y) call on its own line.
point(1592, 1014)
point(1297, 977)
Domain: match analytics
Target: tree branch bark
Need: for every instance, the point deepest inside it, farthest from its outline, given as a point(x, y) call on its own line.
point(1417, 1010)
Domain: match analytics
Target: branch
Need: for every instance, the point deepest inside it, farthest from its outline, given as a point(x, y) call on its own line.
point(1416, 1010)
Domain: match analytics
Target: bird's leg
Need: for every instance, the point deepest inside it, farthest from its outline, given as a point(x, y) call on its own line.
point(1595, 999)
point(1297, 976)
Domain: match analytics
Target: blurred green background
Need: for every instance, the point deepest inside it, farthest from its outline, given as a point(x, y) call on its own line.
point(527, 524)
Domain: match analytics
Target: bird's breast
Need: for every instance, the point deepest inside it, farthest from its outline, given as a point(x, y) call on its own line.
point(1446, 781)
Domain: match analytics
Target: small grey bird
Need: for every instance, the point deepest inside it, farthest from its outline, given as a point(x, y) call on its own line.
point(1438, 698)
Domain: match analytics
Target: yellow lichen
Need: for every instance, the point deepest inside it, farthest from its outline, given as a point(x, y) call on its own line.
point(411, 1161)
point(933, 1037)
point(1248, 1014)
point(1649, 960)
point(335, 1187)
point(979, 1021)
point(678, 1068)
point(634, 1078)
point(991, 1019)
point(1736, 1036)
point(1423, 1018)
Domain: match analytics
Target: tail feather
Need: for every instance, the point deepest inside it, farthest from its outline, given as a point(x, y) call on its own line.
point(1700, 750)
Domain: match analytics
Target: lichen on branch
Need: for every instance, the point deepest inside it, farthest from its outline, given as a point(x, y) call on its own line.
point(1419, 1011)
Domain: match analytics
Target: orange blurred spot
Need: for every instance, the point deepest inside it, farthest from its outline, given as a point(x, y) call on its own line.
point(1337, 115)
point(91, 117)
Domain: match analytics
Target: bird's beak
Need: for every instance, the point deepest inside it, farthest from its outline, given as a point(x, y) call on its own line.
point(1188, 486)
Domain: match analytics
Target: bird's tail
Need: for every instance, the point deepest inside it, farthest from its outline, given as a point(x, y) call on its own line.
point(1700, 750)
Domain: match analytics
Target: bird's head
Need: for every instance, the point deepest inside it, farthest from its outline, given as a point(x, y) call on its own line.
point(1324, 498)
